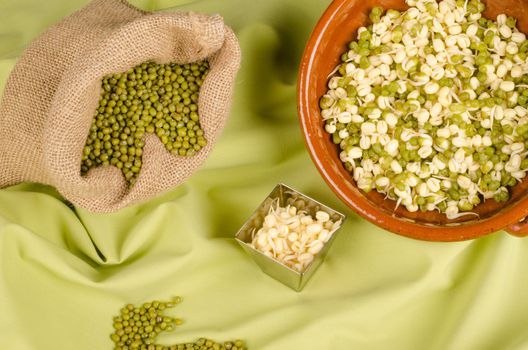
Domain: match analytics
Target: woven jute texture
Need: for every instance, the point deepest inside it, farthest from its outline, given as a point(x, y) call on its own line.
point(51, 96)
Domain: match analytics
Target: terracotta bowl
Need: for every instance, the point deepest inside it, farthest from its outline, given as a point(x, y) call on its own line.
point(336, 28)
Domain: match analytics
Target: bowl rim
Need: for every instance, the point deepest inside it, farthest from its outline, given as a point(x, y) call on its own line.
point(359, 203)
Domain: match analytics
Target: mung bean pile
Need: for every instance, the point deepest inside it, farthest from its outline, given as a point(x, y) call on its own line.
point(150, 98)
point(137, 327)
point(429, 106)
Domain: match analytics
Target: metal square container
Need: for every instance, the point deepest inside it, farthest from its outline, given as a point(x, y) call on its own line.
point(272, 267)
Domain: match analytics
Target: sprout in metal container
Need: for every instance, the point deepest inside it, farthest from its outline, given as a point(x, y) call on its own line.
point(429, 106)
point(292, 236)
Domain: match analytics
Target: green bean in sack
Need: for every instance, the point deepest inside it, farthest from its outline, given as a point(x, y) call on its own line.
point(49, 112)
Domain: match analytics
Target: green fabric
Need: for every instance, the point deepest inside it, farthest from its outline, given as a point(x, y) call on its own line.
point(65, 273)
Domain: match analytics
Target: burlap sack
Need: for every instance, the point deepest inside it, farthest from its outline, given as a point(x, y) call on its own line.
point(50, 99)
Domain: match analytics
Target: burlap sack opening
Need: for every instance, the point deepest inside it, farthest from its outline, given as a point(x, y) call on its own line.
point(50, 99)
